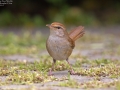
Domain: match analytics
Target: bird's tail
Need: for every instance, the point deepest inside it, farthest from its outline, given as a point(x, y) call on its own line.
point(76, 33)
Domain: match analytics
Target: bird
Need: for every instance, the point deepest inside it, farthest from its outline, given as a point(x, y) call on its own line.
point(60, 43)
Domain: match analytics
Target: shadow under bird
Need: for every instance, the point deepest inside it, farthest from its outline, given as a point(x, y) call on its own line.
point(60, 43)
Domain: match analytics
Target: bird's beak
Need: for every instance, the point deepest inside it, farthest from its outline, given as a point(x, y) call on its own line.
point(48, 25)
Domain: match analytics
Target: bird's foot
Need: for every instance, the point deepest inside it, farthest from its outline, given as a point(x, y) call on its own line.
point(72, 72)
point(50, 72)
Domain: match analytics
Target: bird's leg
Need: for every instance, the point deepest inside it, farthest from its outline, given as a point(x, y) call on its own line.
point(71, 69)
point(52, 68)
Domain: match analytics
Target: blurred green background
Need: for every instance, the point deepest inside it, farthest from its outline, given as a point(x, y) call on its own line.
point(37, 13)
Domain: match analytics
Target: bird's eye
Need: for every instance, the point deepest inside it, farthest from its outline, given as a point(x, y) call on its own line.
point(58, 27)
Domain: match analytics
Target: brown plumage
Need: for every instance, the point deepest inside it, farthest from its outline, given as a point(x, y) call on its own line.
point(76, 33)
point(60, 44)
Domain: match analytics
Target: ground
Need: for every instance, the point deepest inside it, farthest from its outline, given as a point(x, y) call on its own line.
point(24, 61)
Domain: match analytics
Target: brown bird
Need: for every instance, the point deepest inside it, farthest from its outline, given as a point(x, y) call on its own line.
point(60, 43)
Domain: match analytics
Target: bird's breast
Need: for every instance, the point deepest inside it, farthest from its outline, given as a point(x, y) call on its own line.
point(59, 48)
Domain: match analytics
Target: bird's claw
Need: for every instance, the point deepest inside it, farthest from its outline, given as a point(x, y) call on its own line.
point(72, 72)
point(50, 72)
